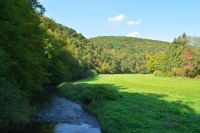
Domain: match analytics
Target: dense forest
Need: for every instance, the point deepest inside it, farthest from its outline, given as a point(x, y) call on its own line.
point(35, 51)
point(125, 54)
point(135, 55)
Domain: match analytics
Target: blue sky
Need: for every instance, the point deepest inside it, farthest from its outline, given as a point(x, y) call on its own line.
point(154, 19)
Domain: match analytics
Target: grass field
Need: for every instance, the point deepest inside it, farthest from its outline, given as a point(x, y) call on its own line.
point(146, 104)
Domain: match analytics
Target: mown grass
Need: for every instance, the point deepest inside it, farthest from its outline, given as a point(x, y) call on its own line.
point(140, 103)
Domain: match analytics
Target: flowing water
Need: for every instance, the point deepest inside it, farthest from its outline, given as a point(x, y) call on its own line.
point(63, 116)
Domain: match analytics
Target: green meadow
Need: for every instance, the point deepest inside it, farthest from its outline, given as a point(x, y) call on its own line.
point(126, 103)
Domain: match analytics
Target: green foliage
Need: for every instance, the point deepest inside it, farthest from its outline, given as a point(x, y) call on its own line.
point(175, 56)
point(88, 93)
point(181, 40)
point(34, 51)
point(14, 106)
point(158, 73)
point(176, 53)
point(135, 55)
point(156, 62)
point(195, 61)
point(22, 61)
point(66, 51)
point(124, 54)
point(21, 41)
point(183, 57)
point(179, 72)
point(36, 6)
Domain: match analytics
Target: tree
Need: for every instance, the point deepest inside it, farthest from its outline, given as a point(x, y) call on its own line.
point(156, 62)
point(68, 53)
point(182, 40)
point(22, 60)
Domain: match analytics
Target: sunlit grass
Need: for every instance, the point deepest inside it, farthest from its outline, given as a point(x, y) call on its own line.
point(178, 89)
point(141, 103)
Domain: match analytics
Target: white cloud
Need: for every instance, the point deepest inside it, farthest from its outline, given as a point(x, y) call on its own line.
point(133, 22)
point(133, 34)
point(118, 18)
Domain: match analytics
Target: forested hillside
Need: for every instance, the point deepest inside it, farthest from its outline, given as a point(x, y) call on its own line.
point(66, 51)
point(125, 54)
point(135, 55)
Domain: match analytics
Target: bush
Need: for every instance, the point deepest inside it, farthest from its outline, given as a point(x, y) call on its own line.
point(98, 93)
point(88, 93)
point(93, 73)
point(179, 72)
point(163, 74)
point(185, 72)
point(194, 72)
point(197, 77)
point(92, 97)
point(158, 73)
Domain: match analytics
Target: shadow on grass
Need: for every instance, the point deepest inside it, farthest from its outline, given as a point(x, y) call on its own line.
point(124, 112)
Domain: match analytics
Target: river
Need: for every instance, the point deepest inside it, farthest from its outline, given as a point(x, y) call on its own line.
point(64, 116)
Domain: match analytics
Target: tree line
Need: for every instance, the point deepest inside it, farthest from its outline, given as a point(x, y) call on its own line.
point(135, 55)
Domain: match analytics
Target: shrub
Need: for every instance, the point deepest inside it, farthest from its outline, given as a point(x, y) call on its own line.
point(93, 73)
point(179, 72)
point(194, 72)
point(92, 96)
point(88, 93)
point(97, 93)
point(163, 74)
point(158, 73)
point(197, 77)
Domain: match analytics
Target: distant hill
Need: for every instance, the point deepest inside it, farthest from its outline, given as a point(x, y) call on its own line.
point(118, 42)
point(125, 54)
